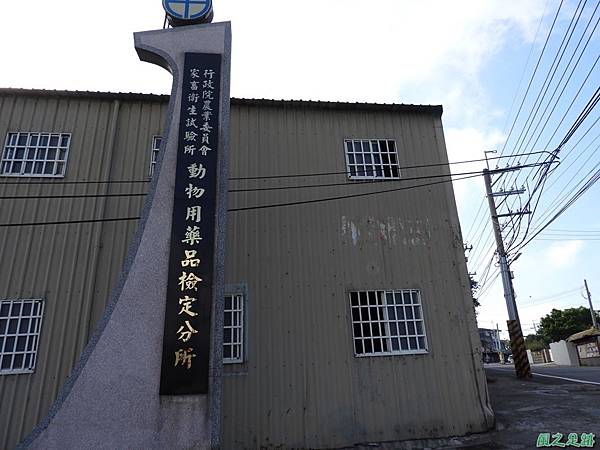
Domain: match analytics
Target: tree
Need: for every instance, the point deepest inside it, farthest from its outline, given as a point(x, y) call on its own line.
point(560, 324)
point(535, 342)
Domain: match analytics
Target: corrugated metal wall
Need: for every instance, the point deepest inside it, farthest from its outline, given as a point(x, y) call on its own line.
point(73, 267)
point(301, 385)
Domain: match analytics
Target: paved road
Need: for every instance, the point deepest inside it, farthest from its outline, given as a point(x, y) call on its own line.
point(526, 408)
point(582, 374)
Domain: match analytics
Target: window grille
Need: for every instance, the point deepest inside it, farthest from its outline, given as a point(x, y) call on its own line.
point(233, 331)
point(20, 323)
point(372, 159)
point(156, 141)
point(387, 322)
point(35, 154)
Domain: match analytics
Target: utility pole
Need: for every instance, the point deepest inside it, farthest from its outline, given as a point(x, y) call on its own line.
point(589, 297)
point(517, 343)
point(500, 350)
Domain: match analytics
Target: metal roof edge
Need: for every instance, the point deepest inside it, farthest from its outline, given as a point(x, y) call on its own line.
point(431, 109)
point(590, 332)
point(85, 94)
point(392, 107)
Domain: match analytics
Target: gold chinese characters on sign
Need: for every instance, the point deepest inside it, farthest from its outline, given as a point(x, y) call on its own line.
point(197, 143)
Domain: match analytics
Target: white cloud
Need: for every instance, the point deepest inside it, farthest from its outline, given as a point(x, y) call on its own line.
point(466, 144)
point(563, 254)
point(387, 51)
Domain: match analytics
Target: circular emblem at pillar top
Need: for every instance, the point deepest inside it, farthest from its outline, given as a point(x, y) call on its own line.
point(188, 12)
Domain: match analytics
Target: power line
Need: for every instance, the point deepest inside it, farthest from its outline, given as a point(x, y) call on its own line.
point(63, 222)
point(484, 252)
point(555, 103)
point(545, 167)
point(533, 75)
point(262, 177)
point(561, 299)
point(558, 294)
point(549, 76)
point(489, 284)
point(556, 230)
point(526, 63)
point(583, 83)
point(558, 200)
point(542, 173)
point(591, 181)
point(543, 15)
point(312, 174)
point(319, 200)
point(251, 207)
point(570, 239)
point(577, 158)
point(473, 223)
point(365, 183)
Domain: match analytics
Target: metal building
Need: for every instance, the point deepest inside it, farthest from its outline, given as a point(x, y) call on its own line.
point(348, 314)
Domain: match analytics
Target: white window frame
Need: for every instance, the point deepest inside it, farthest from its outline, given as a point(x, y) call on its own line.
point(237, 328)
point(372, 165)
point(32, 149)
point(384, 336)
point(30, 333)
point(154, 152)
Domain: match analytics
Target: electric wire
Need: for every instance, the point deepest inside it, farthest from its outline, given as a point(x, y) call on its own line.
point(327, 199)
point(261, 177)
point(273, 188)
point(556, 103)
point(532, 77)
point(562, 195)
point(258, 207)
point(539, 186)
point(529, 86)
point(549, 76)
point(483, 220)
point(588, 184)
point(543, 176)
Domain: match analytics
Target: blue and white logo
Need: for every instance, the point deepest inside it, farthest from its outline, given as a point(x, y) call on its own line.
point(187, 9)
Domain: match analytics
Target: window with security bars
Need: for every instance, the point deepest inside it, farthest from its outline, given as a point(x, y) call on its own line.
point(372, 159)
point(156, 141)
point(20, 323)
point(387, 322)
point(233, 329)
point(35, 154)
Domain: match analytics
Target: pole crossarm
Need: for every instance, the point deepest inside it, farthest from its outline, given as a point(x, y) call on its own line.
point(512, 192)
point(510, 214)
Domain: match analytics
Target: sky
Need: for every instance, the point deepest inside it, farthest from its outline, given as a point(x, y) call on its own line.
point(474, 57)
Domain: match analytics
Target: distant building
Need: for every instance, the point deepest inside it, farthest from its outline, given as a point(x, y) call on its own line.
point(490, 344)
point(587, 343)
point(346, 321)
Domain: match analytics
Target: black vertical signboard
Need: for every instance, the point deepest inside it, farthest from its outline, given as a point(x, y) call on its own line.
point(186, 341)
